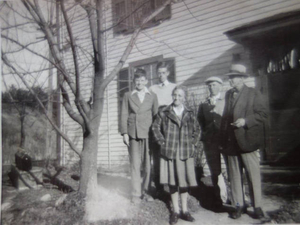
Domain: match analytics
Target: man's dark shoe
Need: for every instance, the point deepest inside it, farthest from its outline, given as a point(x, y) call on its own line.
point(237, 213)
point(258, 213)
point(244, 211)
point(174, 218)
point(218, 208)
point(187, 217)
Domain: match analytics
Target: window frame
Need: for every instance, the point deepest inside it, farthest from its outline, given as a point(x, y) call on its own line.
point(140, 63)
point(128, 25)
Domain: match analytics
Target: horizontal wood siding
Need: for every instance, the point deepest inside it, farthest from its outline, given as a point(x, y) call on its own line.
point(194, 36)
point(81, 32)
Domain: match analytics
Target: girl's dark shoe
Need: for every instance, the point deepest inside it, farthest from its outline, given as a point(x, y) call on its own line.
point(258, 213)
point(237, 213)
point(187, 217)
point(174, 218)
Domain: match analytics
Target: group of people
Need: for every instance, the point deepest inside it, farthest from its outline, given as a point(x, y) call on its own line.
point(229, 125)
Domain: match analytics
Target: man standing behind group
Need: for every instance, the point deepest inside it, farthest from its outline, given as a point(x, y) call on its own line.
point(209, 117)
point(163, 90)
point(242, 136)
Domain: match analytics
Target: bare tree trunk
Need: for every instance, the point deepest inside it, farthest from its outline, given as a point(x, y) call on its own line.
point(88, 115)
point(50, 114)
point(88, 162)
point(22, 119)
point(58, 93)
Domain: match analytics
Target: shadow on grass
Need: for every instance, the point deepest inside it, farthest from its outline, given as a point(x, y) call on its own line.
point(204, 193)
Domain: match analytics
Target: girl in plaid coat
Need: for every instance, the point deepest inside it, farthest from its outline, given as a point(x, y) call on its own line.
point(177, 131)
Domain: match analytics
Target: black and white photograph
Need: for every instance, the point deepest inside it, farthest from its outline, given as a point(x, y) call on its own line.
point(150, 112)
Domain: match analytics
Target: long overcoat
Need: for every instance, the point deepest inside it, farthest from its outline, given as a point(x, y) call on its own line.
point(251, 106)
point(174, 135)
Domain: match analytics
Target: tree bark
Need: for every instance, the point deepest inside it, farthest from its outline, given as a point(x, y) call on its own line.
point(88, 162)
point(89, 116)
point(22, 119)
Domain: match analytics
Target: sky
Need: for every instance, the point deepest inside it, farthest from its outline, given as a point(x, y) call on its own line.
point(25, 61)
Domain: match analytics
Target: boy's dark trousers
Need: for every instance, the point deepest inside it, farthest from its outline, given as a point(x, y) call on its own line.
point(139, 164)
point(155, 148)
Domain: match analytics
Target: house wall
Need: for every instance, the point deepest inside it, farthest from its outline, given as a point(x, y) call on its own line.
point(194, 37)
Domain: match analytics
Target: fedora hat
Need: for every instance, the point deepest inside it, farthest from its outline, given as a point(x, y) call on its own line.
point(213, 79)
point(237, 70)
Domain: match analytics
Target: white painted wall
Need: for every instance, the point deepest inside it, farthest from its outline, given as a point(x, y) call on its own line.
point(194, 37)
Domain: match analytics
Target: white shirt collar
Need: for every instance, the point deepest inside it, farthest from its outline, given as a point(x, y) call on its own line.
point(146, 91)
point(166, 83)
point(218, 96)
point(179, 111)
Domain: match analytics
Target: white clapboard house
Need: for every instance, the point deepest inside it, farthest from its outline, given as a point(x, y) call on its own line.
point(199, 38)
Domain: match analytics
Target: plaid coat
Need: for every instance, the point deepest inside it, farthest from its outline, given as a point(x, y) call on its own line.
point(174, 135)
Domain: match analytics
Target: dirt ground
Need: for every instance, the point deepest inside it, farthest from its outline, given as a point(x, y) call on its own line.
point(281, 202)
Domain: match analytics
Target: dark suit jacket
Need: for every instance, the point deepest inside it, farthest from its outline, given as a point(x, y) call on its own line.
point(251, 106)
point(209, 117)
point(137, 117)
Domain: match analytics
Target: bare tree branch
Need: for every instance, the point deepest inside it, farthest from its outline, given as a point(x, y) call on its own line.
point(26, 47)
point(64, 136)
point(134, 36)
point(19, 14)
point(17, 25)
point(31, 72)
point(125, 17)
point(57, 57)
point(81, 104)
point(73, 47)
point(100, 43)
point(92, 22)
point(68, 107)
point(51, 41)
point(22, 47)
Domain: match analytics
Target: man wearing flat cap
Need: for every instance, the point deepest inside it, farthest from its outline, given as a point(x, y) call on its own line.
point(209, 117)
point(242, 136)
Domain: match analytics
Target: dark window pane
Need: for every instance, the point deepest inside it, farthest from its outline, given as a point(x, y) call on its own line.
point(165, 14)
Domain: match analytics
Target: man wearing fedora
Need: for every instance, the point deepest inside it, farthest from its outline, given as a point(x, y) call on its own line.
point(209, 116)
point(242, 136)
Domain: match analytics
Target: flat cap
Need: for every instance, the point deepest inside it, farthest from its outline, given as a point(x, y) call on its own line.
point(237, 70)
point(213, 79)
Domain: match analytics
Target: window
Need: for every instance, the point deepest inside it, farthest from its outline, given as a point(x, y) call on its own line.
point(125, 76)
point(128, 14)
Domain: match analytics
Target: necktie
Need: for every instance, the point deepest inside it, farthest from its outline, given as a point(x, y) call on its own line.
point(234, 95)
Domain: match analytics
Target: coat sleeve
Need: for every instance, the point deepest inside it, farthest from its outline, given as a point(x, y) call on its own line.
point(196, 131)
point(124, 114)
point(157, 129)
point(224, 122)
point(155, 105)
point(200, 116)
point(259, 111)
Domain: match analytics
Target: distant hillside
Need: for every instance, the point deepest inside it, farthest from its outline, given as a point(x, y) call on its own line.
point(35, 128)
